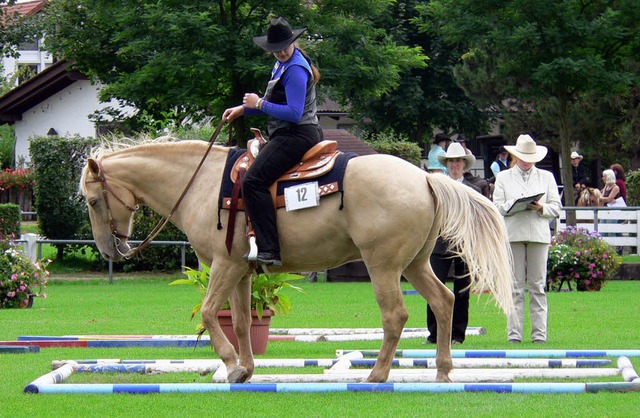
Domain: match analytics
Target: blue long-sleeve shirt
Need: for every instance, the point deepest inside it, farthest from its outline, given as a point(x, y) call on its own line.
point(294, 81)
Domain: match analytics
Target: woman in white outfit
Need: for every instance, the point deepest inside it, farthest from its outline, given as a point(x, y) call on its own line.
point(529, 232)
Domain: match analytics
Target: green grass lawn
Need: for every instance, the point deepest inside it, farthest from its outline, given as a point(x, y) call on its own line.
point(602, 320)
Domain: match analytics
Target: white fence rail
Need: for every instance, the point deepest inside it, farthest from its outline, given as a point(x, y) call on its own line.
point(620, 227)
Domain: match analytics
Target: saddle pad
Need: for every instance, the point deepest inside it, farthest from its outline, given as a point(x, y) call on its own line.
point(329, 183)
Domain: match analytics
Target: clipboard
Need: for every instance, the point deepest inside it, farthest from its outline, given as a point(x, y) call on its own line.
point(521, 204)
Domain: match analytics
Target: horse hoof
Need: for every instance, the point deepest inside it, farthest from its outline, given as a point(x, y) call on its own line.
point(238, 375)
point(374, 379)
point(443, 378)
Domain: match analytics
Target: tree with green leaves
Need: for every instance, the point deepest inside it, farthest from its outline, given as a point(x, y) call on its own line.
point(187, 60)
point(426, 98)
point(542, 56)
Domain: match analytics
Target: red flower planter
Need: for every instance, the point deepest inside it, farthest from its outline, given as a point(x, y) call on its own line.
point(259, 331)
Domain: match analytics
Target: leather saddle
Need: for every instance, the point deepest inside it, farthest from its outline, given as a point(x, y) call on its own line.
point(316, 162)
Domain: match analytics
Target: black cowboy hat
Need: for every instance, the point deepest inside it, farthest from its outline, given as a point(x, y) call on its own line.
point(440, 137)
point(279, 36)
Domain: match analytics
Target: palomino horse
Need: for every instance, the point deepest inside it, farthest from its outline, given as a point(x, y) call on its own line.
point(392, 214)
point(589, 196)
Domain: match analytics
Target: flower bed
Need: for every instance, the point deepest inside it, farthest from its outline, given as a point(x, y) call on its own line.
point(20, 278)
point(582, 257)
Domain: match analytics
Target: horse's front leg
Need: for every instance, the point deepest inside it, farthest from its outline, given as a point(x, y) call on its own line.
point(241, 309)
point(394, 315)
point(225, 276)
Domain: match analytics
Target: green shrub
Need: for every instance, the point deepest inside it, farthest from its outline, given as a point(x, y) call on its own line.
point(7, 146)
point(57, 165)
point(9, 220)
point(633, 188)
point(391, 143)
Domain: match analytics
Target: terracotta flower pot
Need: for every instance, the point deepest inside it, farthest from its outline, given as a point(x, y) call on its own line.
point(259, 331)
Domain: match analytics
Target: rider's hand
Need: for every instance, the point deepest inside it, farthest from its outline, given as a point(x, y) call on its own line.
point(232, 113)
point(250, 100)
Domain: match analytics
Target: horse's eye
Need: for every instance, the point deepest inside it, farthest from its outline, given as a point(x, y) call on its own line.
point(92, 202)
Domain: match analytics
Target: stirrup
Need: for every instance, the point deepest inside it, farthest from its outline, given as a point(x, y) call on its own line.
point(253, 249)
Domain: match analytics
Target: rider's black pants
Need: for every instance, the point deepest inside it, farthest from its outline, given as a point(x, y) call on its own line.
point(285, 148)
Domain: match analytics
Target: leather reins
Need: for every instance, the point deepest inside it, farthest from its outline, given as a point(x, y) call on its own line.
point(106, 190)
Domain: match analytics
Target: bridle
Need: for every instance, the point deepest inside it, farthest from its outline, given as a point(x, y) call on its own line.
point(106, 190)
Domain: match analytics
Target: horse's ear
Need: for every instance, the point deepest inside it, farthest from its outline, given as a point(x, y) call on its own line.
point(94, 168)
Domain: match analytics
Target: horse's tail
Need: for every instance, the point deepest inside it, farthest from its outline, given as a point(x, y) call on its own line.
point(475, 230)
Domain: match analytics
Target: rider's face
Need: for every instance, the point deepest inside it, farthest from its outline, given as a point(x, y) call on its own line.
point(285, 54)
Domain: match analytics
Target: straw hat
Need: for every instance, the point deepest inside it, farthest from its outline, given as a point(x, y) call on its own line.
point(575, 155)
point(456, 150)
point(279, 36)
point(526, 149)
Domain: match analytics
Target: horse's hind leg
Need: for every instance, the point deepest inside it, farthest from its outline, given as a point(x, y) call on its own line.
point(225, 276)
point(421, 276)
point(386, 286)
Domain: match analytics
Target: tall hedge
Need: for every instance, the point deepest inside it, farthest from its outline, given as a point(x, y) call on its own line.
point(57, 166)
point(9, 221)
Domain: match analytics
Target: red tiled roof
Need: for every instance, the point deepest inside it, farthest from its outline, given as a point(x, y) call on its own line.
point(347, 142)
point(329, 106)
point(25, 9)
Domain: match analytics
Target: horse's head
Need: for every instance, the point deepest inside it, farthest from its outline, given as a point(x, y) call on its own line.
point(589, 196)
point(111, 206)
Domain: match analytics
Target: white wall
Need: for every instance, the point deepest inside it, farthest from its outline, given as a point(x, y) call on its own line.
point(67, 112)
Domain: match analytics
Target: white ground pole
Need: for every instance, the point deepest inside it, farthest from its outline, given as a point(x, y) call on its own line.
point(205, 366)
point(343, 331)
point(52, 381)
point(293, 334)
point(627, 371)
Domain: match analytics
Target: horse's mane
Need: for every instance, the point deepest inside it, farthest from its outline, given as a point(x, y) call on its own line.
point(584, 198)
point(113, 145)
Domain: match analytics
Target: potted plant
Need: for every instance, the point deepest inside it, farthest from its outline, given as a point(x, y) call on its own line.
point(582, 257)
point(20, 278)
point(267, 299)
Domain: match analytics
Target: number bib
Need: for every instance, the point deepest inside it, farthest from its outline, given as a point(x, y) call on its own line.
point(302, 196)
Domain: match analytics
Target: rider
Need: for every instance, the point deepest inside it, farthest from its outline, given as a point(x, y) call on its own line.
point(292, 126)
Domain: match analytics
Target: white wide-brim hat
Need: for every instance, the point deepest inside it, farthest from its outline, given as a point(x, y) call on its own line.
point(575, 155)
point(456, 150)
point(526, 149)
